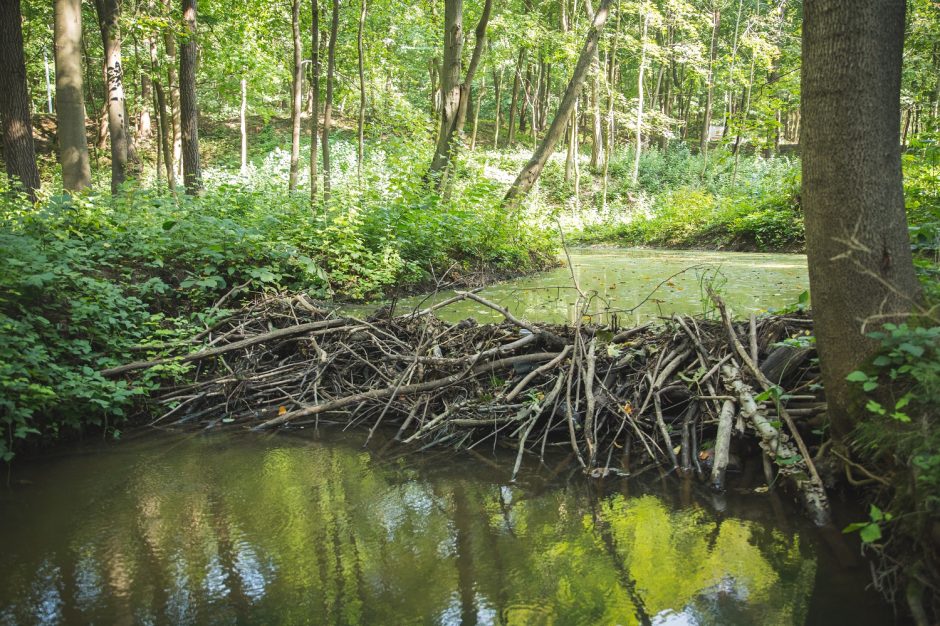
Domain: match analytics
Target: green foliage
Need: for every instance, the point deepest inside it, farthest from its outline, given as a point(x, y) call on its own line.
point(681, 202)
point(900, 390)
point(87, 281)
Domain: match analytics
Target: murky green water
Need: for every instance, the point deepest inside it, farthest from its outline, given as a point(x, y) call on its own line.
point(226, 528)
point(622, 279)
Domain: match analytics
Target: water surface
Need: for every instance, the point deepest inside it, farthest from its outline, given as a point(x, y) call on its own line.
point(638, 285)
point(225, 528)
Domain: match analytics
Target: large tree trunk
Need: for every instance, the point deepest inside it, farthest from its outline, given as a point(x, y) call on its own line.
point(328, 106)
point(314, 98)
point(533, 168)
point(173, 85)
point(189, 106)
point(70, 99)
point(296, 93)
point(860, 266)
point(108, 15)
point(450, 85)
point(18, 150)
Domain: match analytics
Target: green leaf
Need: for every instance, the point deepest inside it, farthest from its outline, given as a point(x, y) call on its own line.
point(870, 533)
point(875, 407)
point(869, 385)
point(857, 376)
point(875, 514)
point(913, 349)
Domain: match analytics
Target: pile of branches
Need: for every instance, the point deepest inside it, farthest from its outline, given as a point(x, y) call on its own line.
point(673, 394)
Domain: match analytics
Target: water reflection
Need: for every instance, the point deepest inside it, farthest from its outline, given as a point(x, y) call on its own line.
point(623, 278)
point(219, 529)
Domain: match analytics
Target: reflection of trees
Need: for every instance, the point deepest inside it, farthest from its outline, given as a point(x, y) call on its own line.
point(298, 534)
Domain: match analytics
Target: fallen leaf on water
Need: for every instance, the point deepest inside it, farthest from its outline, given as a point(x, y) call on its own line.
point(281, 410)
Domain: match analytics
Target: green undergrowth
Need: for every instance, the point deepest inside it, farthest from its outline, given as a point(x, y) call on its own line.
point(94, 280)
point(682, 200)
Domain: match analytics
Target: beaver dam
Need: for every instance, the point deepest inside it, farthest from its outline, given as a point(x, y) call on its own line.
point(678, 395)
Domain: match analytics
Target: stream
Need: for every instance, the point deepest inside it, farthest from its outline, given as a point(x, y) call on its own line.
point(310, 527)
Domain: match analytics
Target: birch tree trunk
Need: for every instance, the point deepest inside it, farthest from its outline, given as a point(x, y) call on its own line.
point(243, 126)
point(108, 15)
point(173, 85)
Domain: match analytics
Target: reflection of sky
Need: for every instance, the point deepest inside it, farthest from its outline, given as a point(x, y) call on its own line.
point(394, 559)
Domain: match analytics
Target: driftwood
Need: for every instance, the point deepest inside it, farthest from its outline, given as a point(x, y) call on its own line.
point(669, 394)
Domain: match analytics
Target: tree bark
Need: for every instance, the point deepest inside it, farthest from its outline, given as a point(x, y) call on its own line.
point(480, 40)
point(164, 126)
point(514, 103)
point(639, 104)
point(497, 80)
point(70, 99)
point(189, 105)
point(360, 153)
point(709, 80)
point(450, 86)
point(530, 173)
point(860, 267)
point(296, 96)
point(328, 106)
point(18, 149)
point(314, 98)
point(173, 85)
point(243, 126)
point(108, 15)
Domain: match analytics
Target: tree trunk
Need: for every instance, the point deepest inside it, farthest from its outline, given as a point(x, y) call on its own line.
point(860, 267)
point(173, 85)
point(450, 87)
point(164, 127)
point(189, 105)
point(480, 40)
point(597, 136)
point(360, 153)
point(314, 98)
point(530, 173)
point(108, 16)
point(70, 99)
point(709, 80)
point(497, 82)
point(297, 96)
point(243, 126)
point(514, 103)
point(144, 122)
point(476, 114)
point(328, 106)
point(18, 149)
point(639, 104)
point(166, 135)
